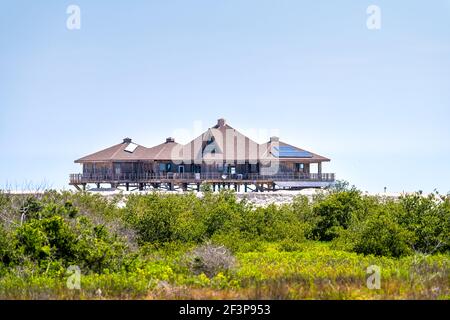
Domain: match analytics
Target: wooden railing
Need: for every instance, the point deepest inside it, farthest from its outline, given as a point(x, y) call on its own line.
point(192, 177)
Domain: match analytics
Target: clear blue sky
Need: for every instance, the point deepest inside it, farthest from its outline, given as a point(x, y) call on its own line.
point(376, 102)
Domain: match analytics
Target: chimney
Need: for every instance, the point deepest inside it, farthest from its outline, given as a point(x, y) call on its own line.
point(274, 139)
point(221, 122)
point(126, 140)
point(170, 139)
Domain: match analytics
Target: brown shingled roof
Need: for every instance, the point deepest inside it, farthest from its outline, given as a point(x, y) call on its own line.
point(227, 142)
point(116, 152)
point(163, 151)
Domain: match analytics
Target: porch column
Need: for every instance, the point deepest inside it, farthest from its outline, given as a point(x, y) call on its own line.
point(319, 170)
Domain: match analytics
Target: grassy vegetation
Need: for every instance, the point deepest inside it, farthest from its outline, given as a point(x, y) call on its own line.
point(216, 247)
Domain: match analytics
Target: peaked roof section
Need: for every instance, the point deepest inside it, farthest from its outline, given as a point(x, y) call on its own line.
point(117, 152)
point(169, 150)
point(221, 142)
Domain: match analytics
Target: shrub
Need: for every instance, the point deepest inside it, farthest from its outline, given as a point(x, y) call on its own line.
point(279, 223)
point(380, 235)
point(398, 227)
point(210, 259)
point(335, 212)
point(54, 234)
point(303, 210)
point(162, 218)
point(30, 209)
point(413, 223)
point(429, 219)
point(6, 248)
point(222, 212)
point(339, 186)
point(48, 238)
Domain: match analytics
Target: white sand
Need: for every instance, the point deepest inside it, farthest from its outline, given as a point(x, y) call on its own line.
point(278, 197)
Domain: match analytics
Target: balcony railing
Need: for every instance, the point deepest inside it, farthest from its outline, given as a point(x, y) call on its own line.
point(193, 177)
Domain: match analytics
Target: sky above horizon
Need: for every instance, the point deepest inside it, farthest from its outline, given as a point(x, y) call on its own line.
point(377, 102)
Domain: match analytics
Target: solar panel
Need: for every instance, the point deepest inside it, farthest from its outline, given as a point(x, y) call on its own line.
point(131, 147)
point(290, 152)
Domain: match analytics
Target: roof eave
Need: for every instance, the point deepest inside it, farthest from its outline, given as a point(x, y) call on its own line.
point(98, 160)
point(305, 159)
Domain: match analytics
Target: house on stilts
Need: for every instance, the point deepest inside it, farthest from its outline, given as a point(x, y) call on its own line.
point(221, 156)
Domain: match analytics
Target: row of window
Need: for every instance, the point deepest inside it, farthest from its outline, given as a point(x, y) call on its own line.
point(167, 167)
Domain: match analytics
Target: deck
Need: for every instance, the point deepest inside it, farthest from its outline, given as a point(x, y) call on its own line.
point(184, 180)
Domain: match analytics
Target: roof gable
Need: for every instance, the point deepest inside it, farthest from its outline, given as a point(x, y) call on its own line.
point(221, 142)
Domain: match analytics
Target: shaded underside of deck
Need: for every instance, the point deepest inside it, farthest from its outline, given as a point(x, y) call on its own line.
point(195, 184)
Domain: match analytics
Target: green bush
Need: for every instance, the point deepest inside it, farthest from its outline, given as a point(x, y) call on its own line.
point(41, 235)
point(278, 223)
point(336, 212)
point(48, 238)
point(163, 218)
point(53, 230)
point(304, 212)
point(379, 234)
point(53, 233)
point(413, 223)
point(6, 248)
point(222, 213)
point(429, 219)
